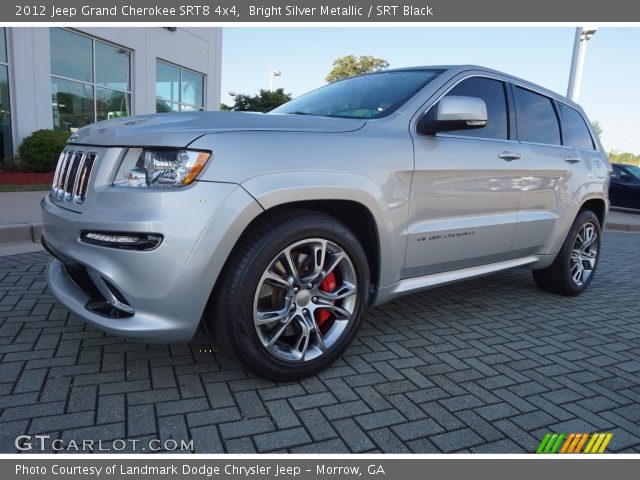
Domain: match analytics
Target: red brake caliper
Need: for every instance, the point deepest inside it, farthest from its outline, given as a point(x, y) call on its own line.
point(329, 285)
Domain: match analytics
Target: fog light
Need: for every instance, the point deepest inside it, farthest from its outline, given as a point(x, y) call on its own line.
point(126, 241)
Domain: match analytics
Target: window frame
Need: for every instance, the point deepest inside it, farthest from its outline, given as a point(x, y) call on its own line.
point(556, 112)
point(93, 84)
point(180, 103)
point(511, 126)
point(507, 105)
point(561, 104)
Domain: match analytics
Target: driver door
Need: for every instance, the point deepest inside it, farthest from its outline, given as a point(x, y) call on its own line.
point(465, 191)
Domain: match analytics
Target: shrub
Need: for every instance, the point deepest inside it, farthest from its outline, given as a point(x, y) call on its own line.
point(39, 151)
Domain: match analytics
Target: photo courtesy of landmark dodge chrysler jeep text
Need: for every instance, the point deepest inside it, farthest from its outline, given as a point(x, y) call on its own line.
point(279, 229)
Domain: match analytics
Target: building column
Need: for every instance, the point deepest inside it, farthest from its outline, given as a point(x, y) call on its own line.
point(29, 58)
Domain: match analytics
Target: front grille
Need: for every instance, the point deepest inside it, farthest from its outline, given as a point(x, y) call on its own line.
point(71, 180)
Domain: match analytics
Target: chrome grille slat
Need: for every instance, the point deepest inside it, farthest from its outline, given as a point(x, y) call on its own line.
point(71, 175)
point(62, 174)
point(74, 190)
point(71, 178)
point(56, 175)
point(84, 178)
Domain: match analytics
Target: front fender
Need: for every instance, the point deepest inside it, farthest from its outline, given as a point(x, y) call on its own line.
point(277, 189)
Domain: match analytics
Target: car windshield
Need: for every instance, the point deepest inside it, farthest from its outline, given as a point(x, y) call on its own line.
point(366, 96)
point(633, 170)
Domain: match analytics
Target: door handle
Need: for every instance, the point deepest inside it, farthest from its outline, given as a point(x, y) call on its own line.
point(510, 156)
point(571, 159)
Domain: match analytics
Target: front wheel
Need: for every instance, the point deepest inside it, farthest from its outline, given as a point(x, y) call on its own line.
point(292, 295)
point(573, 269)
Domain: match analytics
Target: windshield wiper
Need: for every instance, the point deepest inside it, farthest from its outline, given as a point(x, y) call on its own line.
point(300, 113)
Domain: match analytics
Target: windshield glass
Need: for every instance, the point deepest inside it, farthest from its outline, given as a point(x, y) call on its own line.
point(366, 96)
point(633, 170)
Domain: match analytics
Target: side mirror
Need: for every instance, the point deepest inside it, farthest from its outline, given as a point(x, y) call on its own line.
point(454, 113)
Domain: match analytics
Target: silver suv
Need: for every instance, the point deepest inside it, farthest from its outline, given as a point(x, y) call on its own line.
point(279, 229)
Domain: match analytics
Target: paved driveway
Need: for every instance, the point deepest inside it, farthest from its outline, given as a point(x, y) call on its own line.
point(484, 366)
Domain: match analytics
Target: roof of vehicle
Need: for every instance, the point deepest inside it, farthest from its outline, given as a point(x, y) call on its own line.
point(459, 69)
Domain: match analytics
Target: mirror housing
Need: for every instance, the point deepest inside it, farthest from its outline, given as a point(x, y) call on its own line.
point(454, 113)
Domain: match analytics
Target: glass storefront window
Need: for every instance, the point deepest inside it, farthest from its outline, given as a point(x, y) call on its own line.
point(77, 97)
point(6, 142)
point(3, 46)
point(192, 87)
point(72, 104)
point(112, 104)
point(178, 89)
point(168, 82)
point(112, 66)
point(71, 55)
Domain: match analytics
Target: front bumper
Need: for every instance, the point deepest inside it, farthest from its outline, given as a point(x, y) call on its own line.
point(166, 288)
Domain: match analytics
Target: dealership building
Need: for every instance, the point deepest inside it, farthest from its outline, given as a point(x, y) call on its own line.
point(63, 78)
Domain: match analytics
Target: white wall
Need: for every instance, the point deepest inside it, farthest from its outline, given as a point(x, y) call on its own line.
point(198, 49)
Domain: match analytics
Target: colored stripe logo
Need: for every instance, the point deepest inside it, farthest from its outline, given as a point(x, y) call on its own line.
point(574, 443)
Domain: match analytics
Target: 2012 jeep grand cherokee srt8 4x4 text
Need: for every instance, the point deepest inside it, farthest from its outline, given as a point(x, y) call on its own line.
point(279, 229)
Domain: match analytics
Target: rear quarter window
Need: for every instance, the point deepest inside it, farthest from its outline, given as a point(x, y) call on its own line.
point(536, 118)
point(574, 128)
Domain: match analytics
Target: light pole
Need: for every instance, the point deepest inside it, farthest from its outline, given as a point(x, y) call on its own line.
point(274, 73)
point(583, 35)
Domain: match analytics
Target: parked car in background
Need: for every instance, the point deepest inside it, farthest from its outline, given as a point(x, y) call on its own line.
point(280, 229)
point(624, 191)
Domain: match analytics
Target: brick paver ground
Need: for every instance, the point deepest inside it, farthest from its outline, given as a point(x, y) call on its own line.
point(489, 365)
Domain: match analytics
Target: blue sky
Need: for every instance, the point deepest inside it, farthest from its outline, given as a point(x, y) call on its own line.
point(611, 83)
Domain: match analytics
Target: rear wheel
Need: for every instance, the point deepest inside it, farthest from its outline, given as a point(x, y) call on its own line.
point(573, 269)
point(292, 295)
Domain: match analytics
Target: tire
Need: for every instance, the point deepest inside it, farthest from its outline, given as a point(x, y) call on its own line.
point(572, 271)
point(268, 305)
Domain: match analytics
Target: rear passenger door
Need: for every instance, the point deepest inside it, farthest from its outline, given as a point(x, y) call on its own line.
point(553, 172)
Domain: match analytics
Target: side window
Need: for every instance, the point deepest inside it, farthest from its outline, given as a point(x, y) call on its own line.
point(536, 117)
point(576, 132)
point(492, 92)
point(615, 171)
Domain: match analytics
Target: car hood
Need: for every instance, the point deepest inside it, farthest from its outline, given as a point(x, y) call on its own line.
point(180, 129)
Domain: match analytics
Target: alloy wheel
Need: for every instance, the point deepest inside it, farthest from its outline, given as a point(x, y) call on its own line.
point(584, 254)
point(305, 300)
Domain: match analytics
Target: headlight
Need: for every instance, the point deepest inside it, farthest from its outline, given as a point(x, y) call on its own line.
point(160, 168)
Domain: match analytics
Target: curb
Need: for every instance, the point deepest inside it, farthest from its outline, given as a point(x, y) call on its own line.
point(21, 232)
point(622, 227)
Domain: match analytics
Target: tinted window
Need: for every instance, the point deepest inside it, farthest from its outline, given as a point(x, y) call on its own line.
point(366, 96)
point(492, 92)
point(615, 171)
point(178, 89)
point(167, 82)
point(112, 66)
point(6, 148)
point(71, 55)
point(576, 133)
point(537, 119)
point(3, 46)
point(633, 171)
point(72, 104)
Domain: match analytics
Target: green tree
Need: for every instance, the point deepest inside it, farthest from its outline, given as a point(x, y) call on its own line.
point(597, 128)
point(350, 66)
point(624, 157)
point(264, 101)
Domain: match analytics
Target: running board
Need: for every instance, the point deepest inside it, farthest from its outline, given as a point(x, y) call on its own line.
point(437, 279)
